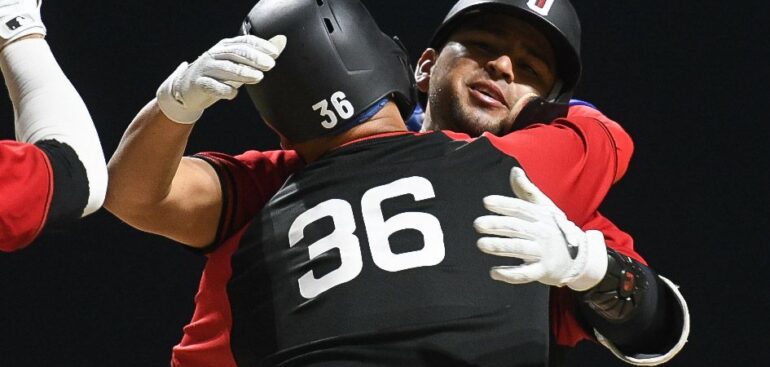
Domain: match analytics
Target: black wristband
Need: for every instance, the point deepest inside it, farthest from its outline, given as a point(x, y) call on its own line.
point(631, 308)
point(621, 291)
point(70, 184)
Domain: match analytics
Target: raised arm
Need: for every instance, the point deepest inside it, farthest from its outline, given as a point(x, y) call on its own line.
point(152, 187)
point(60, 174)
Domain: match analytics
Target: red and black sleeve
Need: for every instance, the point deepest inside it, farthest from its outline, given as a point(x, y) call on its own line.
point(44, 187)
point(248, 181)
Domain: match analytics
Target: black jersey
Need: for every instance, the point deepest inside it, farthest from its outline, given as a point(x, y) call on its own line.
point(367, 257)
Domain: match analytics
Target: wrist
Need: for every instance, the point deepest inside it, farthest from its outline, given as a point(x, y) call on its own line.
point(617, 295)
point(171, 104)
point(594, 262)
point(28, 36)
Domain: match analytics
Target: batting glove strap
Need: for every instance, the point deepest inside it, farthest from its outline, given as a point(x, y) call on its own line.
point(590, 264)
point(171, 103)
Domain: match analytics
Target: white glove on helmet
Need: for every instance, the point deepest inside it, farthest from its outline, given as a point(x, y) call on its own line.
point(19, 18)
point(532, 228)
point(217, 74)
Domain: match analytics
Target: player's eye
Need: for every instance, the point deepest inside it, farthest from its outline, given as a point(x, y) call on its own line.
point(529, 69)
point(482, 46)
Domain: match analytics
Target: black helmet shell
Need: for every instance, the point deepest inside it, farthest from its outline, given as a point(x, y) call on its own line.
point(337, 63)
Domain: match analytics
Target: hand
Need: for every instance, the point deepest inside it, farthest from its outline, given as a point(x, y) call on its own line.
point(19, 18)
point(532, 228)
point(217, 74)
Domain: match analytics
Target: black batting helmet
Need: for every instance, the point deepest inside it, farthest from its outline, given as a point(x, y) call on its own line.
point(556, 19)
point(337, 63)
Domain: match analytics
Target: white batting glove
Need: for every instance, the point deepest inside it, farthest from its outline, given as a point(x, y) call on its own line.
point(532, 228)
point(217, 74)
point(19, 18)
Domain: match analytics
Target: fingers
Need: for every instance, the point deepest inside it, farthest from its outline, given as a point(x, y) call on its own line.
point(243, 59)
point(230, 71)
point(514, 207)
point(517, 274)
point(505, 226)
point(272, 48)
point(279, 42)
point(526, 250)
point(217, 74)
point(217, 89)
point(245, 56)
point(526, 190)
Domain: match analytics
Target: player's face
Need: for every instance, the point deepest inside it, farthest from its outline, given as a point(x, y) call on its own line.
point(487, 71)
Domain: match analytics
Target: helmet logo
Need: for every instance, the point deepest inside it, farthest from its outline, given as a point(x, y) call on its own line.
point(542, 7)
point(342, 108)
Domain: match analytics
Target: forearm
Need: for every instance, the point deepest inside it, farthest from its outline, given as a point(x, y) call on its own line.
point(634, 310)
point(48, 108)
point(143, 168)
point(145, 163)
point(152, 187)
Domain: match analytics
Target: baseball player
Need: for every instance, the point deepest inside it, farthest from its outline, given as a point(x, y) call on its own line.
point(356, 247)
point(503, 65)
point(55, 172)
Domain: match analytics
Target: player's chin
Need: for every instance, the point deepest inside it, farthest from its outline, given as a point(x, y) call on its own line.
point(478, 121)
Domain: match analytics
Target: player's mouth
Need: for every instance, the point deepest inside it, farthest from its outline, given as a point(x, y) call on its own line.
point(488, 93)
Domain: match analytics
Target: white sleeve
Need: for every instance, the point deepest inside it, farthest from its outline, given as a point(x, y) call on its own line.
point(47, 107)
point(650, 359)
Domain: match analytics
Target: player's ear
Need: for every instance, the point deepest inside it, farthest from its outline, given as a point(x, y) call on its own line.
point(424, 68)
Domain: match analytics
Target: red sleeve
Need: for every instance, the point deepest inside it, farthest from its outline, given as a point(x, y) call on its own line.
point(624, 146)
point(575, 161)
point(26, 188)
point(615, 238)
point(248, 181)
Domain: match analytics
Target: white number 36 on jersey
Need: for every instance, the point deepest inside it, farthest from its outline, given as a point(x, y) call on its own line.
point(378, 232)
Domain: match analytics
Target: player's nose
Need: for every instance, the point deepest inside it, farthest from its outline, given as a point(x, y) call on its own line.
point(501, 67)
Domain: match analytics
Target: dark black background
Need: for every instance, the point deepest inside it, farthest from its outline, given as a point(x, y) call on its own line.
point(688, 80)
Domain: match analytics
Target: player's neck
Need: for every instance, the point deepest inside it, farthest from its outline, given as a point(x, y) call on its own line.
point(427, 121)
point(387, 120)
